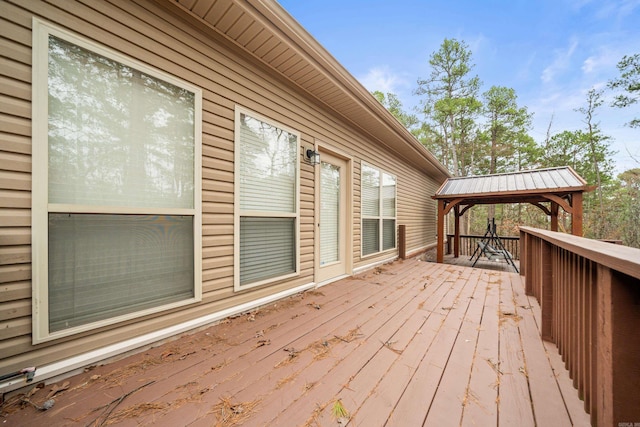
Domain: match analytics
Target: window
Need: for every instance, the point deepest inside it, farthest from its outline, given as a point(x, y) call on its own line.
point(117, 193)
point(378, 194)
point(267, 212)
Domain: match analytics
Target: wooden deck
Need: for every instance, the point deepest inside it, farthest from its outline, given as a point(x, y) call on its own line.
point(412, 343)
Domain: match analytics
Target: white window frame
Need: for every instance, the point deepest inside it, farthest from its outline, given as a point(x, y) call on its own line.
point(41, 206)
point(381, 217)
point(238, 212)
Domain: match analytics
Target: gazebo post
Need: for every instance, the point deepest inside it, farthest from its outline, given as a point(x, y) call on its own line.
point(576, 217)
point(456, 238)
point(440, 232)
point(554, 216)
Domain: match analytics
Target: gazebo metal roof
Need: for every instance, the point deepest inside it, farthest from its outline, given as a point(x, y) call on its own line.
point(505, 185)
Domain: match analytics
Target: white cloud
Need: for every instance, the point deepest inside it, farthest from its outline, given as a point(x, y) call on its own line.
point(383, 79)
point(560, 63)
point(476, 43)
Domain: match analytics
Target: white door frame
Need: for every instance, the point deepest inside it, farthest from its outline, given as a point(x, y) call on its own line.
point(346, 215)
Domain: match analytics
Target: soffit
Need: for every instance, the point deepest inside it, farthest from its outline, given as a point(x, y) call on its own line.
point(266, 31)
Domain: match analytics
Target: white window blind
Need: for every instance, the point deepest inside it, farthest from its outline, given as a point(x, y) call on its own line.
point(101, 266)
point(119, 214)
point(266, 249)
point(370, 191)
point(378, 199)
point(370, 236)
point(267, 215)
point(117, 136)
point(329, 213)
point(267, 167)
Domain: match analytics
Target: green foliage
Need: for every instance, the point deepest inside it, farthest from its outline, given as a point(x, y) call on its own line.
point(391, 102)
point(507, 125)
point(451, 105)
point(629, 84)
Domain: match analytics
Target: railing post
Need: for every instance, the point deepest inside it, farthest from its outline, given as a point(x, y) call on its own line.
point(618, 344)
point(456, 237)
point(604, 340)
point(440, 232)
point(546, 290)
point(523, 256)
point(402, 241)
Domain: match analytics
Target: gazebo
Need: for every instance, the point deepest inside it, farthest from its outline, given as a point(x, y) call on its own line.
point(548, 189)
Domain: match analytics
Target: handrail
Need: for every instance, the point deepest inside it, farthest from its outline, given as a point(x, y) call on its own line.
point(589, 294)
point(469, 243)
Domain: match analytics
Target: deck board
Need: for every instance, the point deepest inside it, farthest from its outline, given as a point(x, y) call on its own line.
point(411, 343)
point(481, 395)
point(514, 399)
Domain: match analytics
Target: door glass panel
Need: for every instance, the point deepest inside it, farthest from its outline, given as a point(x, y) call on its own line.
point(329, 213)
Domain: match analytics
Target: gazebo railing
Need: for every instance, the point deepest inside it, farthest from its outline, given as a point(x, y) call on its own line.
point(589, 294)
point(469, 243)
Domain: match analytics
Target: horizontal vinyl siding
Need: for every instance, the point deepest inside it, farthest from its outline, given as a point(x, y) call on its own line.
point(15, 183)
point(142, 30)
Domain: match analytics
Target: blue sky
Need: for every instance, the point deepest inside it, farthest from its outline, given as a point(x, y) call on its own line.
point(550, 51)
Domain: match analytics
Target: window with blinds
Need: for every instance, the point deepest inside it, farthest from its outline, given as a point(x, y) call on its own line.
point(378, 199)
point(267, 212)
point(116, 200)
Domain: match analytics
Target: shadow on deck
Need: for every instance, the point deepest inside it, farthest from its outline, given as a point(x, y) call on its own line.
point(412, 343)
point(483, 262)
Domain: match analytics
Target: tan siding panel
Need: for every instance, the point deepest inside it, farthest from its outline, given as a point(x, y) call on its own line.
point(17, 34)
point(16, 125)
point(14, 69)
point(15, 180)
point(217, 175)
point(14, 273)
point(214, 251)
point(14, 309)
point(213, 240)
point(15, 218)
point(15, 143)
point(15, 14)
point(16, 51)
point(15, 162)
point(14, 199)
point(218, 164)
point(226, 187)
point(215, 230)
point(218, 154)
point(14, 291)
point(216, 196)
point(217, 219)
point(218, 208)
point(15, 255)
point(15, 327)
point(15, 236)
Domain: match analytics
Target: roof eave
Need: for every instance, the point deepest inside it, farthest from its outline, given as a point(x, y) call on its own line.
point(380, 126)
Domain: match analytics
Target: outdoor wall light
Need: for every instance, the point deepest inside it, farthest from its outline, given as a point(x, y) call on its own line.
point(312, 156)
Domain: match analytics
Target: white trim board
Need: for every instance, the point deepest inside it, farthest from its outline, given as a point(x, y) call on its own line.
point(360, 269)
point(67, 366)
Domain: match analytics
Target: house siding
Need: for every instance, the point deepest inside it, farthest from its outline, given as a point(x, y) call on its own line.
point(148, 32)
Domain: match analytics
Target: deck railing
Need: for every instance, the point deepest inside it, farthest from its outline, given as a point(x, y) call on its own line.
point(589, 293)
point(469, 243)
